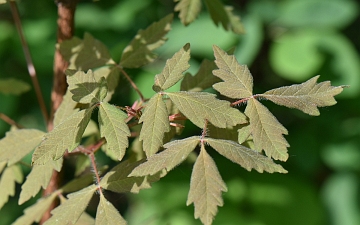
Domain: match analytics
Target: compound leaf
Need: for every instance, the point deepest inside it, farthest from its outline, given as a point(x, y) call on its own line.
point(155, 121)
point(205, 188)
point(189, 10)
point(174, 154)
point(112, 75)
point(66, 109)
point(114, 129)
point(306, 96)
point(10, 176)
point(266, 130)
point(7, 86)
point(173, 70)
point(224, 133)
point(201, 106)
point(107, 214)
point(238, 82)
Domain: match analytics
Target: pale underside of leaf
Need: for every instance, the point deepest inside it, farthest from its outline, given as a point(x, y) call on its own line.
point(201, 106)
point(238, 82)
point(112, 75)
point(9, 177)
point(66, 109)
point(189, 10)
point(244, 134)
point(306, 96)
point(267, 131)
point(174, 154)
point(7, 86)
point(206, 187)
point(107, 214)
point(114, 129)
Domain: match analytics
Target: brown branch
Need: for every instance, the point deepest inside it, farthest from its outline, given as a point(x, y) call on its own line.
point(9, 121)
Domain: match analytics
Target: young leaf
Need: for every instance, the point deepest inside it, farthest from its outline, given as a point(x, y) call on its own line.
point(306, 96)
point(173, 70)
point(201, 106)
point(266, 130)
point(155, 121)
point(66, 136)
point(205, 188)
point(175, 153)
point(7, 86)
point(238, 82)
point(66, 109)
point(245, 157)
point(18, 143)
point(107, 214)
point(71, 210)
point(10, 175)
point(114, 129)
point(140, 51)
point(189, 10)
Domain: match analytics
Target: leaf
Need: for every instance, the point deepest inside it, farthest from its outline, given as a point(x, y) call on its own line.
point(155, 121)
point(140, 51)
point(201, 106)
point(85, 88)
point(107, 214)
point(66, 109)
point(2, 1)
point(7, 86)
point(189, 10)
point(234, 21)
point(223, 133)
point(245, 157)
point(306, 96)
point(2, 166)
point(238, 82)
point(85, 219)
point(78, 183)
point(114, 128)
point(10, 176)
point(71, 210)
point(66, 136)
point(244, 134)
point(112, 75)
point(266, 130)
point(18, 143)
point(174, 154)
point(173, 70)
point(205, 188)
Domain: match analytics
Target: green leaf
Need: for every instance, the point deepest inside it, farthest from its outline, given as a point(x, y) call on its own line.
point(114, 129)
point(13, 86)
point(173, 70)
point(266, 130)
point(66, 136)
point(10, 176)
point(112, 75)
point(238, 82)
point(189, 10)
point(78, 183)
point(85, 219)
point(245, 157)
point(234, 21)
point(2, 1)
point(66, 109)
point(243, 134)
point(174, 154)
point(140, 51)
point(200, 106)
point(18, 143)
point(223, 133)
point(155, 121)
point(306, 96)
point(205, 188)
point(2, 165)
point(107, 214)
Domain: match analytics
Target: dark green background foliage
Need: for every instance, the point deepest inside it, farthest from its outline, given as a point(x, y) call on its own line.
point(286, 42)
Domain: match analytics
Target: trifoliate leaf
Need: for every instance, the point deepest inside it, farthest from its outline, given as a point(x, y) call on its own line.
point(18, 143)
point(173, 70)
point(200, 106)
point(13, 86)
point(189, 10)
point(174, 154)
point(140, 51)
point(306, 96)
point(107, 214)
point(70, 211)
point(114, 129)
point(66, 136)
point(155, 121)
point(66, 109)
point(85, 88)
point(266, 130)
point(238, 82)
point(245, 157)
point(10, 176)
point(205, 188)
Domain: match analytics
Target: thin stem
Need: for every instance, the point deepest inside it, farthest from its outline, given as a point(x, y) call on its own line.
point(132, 83)
point(29, 62)
point(204, 132)
point(10, 121)
point(243, 100)
point(93, 163)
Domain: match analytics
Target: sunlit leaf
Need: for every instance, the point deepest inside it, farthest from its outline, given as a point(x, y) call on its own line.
point(266, 130)
point(140, 51)
point(85, 219)
point(173, 70)
point(155, 121)
point(188, 10)
point(114, 129)
point(107, 214)
point(174, 154)
point(238, 82)
point(306, 96)
point(7, 86)
point(2, 165)
point(66, 109)
point(200, 106)
point(2, 1)
point(10, 176)
point(205, 188)
point(244, 134)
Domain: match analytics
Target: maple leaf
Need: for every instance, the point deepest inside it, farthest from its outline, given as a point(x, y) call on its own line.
point(107, 214)
point(189, 10)
point(10, 176)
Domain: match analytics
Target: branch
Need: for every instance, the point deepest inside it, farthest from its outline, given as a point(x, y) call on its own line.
point(9, 121)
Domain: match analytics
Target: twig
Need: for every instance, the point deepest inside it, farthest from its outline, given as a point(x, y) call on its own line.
point(10, 121)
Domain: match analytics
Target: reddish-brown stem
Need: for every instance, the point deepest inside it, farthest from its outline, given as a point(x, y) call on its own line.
point(243, 100)
point(9, 121)
point(132, 83)
point(93, 163)
point(204, 132)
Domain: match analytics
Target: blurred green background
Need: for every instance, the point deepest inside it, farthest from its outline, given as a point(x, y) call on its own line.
point(286, 42)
